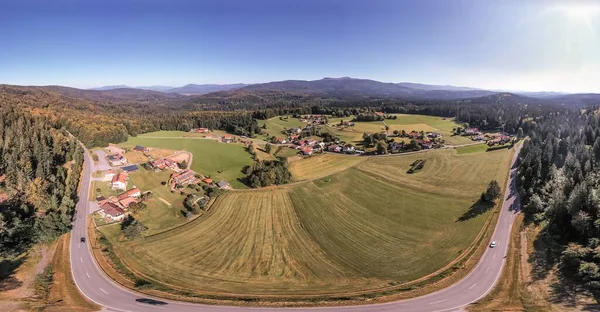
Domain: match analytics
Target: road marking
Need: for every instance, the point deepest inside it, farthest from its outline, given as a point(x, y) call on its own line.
point(104, 291)
point(473, 286)
point(494, 256)
point(438, 301)
point(487, 270)
point(81, 259)
point(86, 273)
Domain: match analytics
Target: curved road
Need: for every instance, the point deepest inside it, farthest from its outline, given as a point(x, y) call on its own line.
point(100, 289)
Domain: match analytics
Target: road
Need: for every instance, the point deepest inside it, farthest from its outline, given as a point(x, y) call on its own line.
point(99, 288)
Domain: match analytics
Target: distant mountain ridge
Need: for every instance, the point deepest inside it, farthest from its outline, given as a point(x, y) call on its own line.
point(206, 88)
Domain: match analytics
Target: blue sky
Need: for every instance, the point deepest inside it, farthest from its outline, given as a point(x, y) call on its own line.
point(516, 45)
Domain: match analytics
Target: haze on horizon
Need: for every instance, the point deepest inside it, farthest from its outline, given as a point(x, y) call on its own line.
point(510, 45)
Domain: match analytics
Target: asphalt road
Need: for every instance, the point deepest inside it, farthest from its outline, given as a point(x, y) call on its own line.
point(101, 290)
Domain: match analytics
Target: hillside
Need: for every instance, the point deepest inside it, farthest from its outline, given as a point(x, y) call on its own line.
point(205, 88)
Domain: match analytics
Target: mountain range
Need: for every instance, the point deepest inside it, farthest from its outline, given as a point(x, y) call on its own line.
point(346, 87)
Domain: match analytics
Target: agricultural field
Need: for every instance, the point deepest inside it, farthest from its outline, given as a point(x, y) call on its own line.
point(276, 125)
point(404, 122)
point(356, 226)
point(478, 148)
point(218, 160)
point(322, 165)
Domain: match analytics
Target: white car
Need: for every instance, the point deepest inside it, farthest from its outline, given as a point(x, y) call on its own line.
point(493, 244)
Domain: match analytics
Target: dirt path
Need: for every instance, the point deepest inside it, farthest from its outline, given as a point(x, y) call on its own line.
point(164, 201)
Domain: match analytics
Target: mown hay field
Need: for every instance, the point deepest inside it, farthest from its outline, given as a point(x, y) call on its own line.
point(365, 227)
point(322, 165)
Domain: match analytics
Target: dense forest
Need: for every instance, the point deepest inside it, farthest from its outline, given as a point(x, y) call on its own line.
point(40, 167)
point(558, 181)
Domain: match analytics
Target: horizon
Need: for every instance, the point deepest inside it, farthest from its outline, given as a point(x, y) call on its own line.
point(510, 46)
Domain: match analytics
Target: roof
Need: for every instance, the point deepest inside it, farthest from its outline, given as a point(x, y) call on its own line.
point(121, 177)
point(222, 184)
point(125, 202)
point(207, 180)
point(139, 148)
point(129, 193)
point(228, 137)
point(184, 176)
point(130, 168)
point(112, 209)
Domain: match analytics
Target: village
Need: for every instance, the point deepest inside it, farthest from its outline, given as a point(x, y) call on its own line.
point(124, 196)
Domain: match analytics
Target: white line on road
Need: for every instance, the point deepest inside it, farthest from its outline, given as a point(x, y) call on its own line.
point(438, 301)
point(473, 286)
point(86, 273)
point(104, 291)
point(487, 270)
point(494, 256)
point(81, 259)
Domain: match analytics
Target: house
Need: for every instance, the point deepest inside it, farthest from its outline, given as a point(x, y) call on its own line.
point(295, 130)
point(134, 192)
point(131, 168)
point(307, 150)
point(119, 181)
point(348, 149)
point(311, 142)
point(504, 139)
point(280, 141)
point(184, 177)
point(207, 180)
point(414, 135)
point(227, 139)
point(139, 148)
point(112, 211)
point(108, 175)
point(379, 113)
point(116, 159)
point(334, 148)
point(127, 201)
point(163, 163)
point(478, 137)
point(222, 184)
point(472, 131)
point(433, 135)
point(202, 130)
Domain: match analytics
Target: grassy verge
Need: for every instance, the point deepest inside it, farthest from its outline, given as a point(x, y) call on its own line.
point(479, 148)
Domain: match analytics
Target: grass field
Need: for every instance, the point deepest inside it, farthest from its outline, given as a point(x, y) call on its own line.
point(158, 216)
point(275, 125)
point(472, 149)
point(322, 165)
point(219, 160)
point(367, 225)
point(403, 122)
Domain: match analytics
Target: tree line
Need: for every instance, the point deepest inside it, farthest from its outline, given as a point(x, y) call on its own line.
point(558, 184)
point(40, 168)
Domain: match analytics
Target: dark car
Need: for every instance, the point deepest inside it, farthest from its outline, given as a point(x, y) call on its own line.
point(150, 301)
point(83, 239)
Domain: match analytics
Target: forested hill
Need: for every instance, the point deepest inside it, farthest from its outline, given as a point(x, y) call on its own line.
point(559, 182)
point(40, 167)
point(100, 119)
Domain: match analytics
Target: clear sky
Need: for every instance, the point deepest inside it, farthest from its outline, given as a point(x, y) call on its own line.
point(515, 45)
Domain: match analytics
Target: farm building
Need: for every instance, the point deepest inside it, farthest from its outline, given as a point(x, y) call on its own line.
point(207, 180)
point(112, 211)
point(130, 168)
point(222, 184)
point(280, 141)
point(184, 177)
point(227, 139)
point(202, 130)
point(116, 159)
point(472, 131)
point(163, 163)
point(119, 181)
point(139, 148)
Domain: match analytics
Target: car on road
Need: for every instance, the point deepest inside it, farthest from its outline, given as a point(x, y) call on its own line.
point(493, 244)
point(82, 239)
